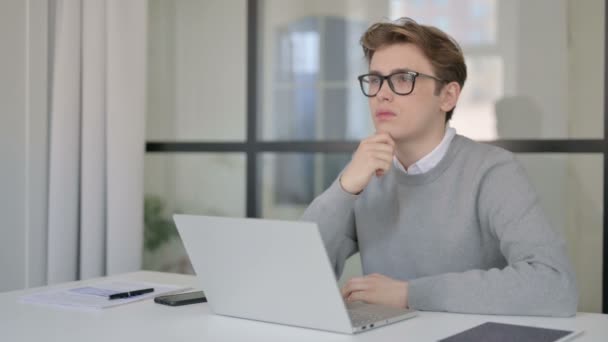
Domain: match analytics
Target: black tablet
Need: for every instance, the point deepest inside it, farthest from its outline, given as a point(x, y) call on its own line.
point(499, 332)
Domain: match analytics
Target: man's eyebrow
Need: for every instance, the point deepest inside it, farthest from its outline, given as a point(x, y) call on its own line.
point(376, 72)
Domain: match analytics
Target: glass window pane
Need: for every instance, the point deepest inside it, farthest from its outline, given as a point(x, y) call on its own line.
point(310, 57)
point(197, 70)
point(290, 181)
point(201, 183)
point(311, 51)
point(470, 22)
point(571, 190)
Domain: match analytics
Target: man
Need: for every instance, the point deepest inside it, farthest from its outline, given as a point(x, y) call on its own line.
point(442, 223)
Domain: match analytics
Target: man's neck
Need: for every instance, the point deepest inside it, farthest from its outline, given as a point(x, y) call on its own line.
point(410, 151)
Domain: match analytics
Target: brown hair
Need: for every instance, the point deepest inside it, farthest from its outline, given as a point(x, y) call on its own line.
point(443, 51)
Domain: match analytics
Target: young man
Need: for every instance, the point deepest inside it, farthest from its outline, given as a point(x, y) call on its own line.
point(442, 223)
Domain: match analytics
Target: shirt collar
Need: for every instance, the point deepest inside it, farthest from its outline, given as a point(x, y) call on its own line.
point(431, 160)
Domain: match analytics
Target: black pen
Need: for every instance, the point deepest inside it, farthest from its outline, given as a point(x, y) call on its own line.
point(130, 293)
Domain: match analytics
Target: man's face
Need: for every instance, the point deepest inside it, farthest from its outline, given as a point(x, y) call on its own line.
point(405, 117)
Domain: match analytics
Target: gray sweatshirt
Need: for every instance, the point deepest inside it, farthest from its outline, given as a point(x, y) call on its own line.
point(469, 235)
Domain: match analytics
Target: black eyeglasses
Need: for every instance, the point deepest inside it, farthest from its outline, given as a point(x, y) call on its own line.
point(401, 82)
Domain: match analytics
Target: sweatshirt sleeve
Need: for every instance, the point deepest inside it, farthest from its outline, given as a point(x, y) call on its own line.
point(538, 278)
point(333, 211)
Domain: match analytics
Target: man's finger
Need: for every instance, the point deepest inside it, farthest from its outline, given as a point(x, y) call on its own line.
point(375, 275)
point(384, 156)
point(355, 284)
point(359, 296)
point(381, 148)
point(345, 291)
point(382, 165)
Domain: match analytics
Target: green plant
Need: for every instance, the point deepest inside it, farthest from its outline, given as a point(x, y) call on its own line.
point(158, 229)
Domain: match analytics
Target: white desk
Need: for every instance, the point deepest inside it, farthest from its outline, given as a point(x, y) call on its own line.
point(147, 321)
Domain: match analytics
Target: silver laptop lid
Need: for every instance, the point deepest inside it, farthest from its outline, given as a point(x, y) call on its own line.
point(267, 270)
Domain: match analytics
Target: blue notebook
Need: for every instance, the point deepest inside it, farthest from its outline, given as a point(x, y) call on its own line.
point(500, 332)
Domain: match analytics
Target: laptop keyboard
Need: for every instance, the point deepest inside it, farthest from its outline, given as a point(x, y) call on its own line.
point(361, 318)
point(363, 314)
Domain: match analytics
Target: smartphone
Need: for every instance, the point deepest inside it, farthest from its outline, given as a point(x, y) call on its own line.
point(182, 298)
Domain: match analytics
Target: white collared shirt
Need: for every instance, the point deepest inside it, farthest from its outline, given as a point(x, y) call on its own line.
point(431, 160)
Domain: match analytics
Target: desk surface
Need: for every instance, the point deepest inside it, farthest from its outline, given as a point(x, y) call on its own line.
point(147, 321)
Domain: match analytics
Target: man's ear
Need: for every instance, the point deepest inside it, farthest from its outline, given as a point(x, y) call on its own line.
point(449, 96)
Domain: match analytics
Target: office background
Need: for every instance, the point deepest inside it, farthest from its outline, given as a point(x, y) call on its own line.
point(251, 108)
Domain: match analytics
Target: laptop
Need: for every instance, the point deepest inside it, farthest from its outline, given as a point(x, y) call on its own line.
point(274, 271)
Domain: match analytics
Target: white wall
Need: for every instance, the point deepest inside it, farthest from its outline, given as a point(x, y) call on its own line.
point(586, 67)
point(542, 73)
point(570, 105)
point(23, 143)
point(585, 174)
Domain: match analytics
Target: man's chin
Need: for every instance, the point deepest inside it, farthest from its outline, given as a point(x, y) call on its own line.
point(393, 132)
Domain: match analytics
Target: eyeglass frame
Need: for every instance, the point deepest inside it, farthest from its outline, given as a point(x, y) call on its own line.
point(414, 74)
